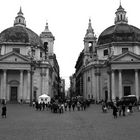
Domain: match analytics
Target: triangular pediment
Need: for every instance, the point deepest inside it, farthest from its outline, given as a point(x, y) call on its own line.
point(125, 57)
point(14, 57)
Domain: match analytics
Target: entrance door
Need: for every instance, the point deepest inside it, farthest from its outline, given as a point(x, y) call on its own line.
point(13, 93)
point(127, 90)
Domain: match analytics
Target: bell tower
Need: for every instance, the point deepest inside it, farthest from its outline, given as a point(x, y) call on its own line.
point(48, 40)
point(19, 19)
point(89, 39)
point(89, 43)
point(121, 15)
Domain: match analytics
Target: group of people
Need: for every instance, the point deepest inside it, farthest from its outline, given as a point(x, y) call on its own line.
point(118, 108)
point(60, 106)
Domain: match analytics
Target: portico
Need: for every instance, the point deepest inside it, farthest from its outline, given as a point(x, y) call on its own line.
point(125, 82)
point(15, 85)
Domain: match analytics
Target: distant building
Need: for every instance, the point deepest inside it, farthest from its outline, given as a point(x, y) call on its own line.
point(109, 66)
point(62, 88)
point(28, 65)
point(73, 85)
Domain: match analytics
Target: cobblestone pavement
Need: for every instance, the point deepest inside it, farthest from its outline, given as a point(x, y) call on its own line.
point(25, 123)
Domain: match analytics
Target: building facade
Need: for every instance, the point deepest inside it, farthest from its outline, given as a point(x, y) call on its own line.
point(28, 65)
point(72, 85)
point(109, 66)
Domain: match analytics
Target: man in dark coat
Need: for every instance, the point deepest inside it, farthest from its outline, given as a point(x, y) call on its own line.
point(4, 109)
point(115, 110)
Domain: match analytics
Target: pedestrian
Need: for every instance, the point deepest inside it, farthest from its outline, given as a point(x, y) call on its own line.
point(78, 106)
point(33, 103)
point(43, 105)
point(73, 106)
point(115, 110)
point(123, 109)
point(62, 107)
point(130, 108)
point(65, 104)
point(69, 105)
point(84, 105)
point(4, 110)
point(36, 105)
point(120, 109)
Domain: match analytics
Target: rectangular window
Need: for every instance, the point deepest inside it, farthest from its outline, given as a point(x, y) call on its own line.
point(17, 50)
point(40, 54)
point(124, 50)
point(105, 52)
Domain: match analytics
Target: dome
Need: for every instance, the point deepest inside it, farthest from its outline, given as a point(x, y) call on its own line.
point(19, 34)
point(119, 33)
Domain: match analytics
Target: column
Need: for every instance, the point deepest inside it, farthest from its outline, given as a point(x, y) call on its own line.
point(4, 85)
point(136, 84)
point(113, 84)
point(120, 84)
point(21, 85)
point(109, 85)
point(98, 90)
point(28, 85)
point(97, 73)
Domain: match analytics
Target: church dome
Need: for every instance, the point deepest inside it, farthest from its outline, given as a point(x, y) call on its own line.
point(19, 34)
point(119, 33)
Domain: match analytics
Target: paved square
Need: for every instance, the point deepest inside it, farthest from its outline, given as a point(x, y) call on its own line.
point(25, 123)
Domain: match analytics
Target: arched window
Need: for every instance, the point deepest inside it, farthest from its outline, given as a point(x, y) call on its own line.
point(105, 52)
point(46, 46)
point(121, 17)
point(90, 45)
point(118, 18)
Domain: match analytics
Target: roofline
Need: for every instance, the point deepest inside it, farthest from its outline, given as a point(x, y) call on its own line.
point(118, 43)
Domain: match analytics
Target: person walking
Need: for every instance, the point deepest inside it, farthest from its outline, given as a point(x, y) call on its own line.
point(123, 109)
point(73, 106)
point(43, 105)
point(65, 105)
point(4, 110)
point(120, 109)
point(130, 108)
point(115, 110)
point(78, 106)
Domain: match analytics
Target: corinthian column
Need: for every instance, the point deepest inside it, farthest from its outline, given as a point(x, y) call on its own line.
point(28, 85)
point(4, 85)
point(120, 84)
point(21, 85)
point(136, 84)
point(113, 84)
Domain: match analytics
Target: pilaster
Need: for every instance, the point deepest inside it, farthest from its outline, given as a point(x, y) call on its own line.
point(113, 84)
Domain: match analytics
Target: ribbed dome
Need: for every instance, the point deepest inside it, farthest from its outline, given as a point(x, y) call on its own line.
point(119, 33)
point(20, 34)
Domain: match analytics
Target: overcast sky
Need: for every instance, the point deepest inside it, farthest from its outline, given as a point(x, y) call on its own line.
point(68, 21)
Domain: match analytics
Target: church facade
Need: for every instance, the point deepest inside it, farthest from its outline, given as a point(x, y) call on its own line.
point(28, 65)
point(109, 66)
